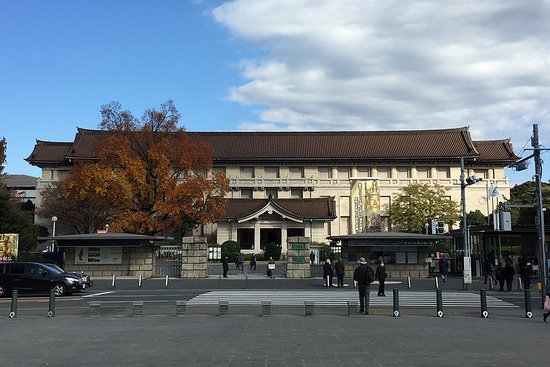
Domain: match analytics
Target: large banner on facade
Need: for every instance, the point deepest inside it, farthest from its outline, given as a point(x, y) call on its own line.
point(98, 255)
point(9, 246)
point(365, 206)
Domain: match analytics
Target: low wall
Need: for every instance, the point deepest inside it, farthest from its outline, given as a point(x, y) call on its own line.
point(135, 261)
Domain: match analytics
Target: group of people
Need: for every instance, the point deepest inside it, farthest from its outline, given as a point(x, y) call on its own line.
point(340, 269)
point(502, 275)
point(239, 263)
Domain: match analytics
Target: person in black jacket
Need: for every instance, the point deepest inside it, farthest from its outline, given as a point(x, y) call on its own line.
point(364, 276)
point(328, 273)
point(225, 265)
point(508, 273)
point(381, 276)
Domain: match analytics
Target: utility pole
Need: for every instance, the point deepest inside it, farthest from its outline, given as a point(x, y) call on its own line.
point(540, 209)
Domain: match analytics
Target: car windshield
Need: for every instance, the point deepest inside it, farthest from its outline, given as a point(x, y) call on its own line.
point(55, 268)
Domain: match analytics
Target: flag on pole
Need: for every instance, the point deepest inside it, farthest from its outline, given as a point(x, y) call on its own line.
point(493, 191)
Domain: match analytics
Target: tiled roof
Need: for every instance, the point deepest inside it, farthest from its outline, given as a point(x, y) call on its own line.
point(330, 146)
point(46, 152)
point(318, 208)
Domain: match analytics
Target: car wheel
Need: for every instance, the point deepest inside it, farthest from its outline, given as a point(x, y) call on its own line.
point(3, 292)
point(59, 289)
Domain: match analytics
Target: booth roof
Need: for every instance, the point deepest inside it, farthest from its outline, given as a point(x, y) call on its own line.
point(106, 239)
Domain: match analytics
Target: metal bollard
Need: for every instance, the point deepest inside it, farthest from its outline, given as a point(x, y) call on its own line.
point(439, 298)
point(396, 303)
point(137, 308)
point(95, 308)
point(181, 307)
point(223, 307)
point(309, 307)
point(352, 308)
point(140, 280)
point(246, 282)
point(483, 295)
point(220, 282)
point(436, 282)
point(51, 308)
point(166, 281)
point(113, 283)
point(520, 286)
point(13, 309)
point(273, 281)
point(528, 309)
point(327, 281)
point(408, 281)
point(266, 308)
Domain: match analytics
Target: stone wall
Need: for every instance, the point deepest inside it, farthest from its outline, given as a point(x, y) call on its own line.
point(135, 261)
point(194, 257)
point(298, 258)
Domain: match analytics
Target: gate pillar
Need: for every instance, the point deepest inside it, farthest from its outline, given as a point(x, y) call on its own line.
point(194, 257)
point(298, 258)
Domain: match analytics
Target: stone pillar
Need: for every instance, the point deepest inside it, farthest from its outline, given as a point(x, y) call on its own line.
point(257, 237)
point(194, 257)
point(298, 258)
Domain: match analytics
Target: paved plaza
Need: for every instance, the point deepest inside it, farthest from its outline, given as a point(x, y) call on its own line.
point(274, 341)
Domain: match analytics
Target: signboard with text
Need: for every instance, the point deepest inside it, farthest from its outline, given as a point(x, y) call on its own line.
point(98, 255)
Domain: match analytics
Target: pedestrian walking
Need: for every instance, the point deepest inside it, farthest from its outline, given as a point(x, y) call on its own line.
point(546, 305)
point(328, 273)
point(253, 262)
point(241, 261)
point(364, 276)
point(312, 257)
point(443, 268)
point(270, 267)
point(340, 269)
point(526, 275)
point(508, 273)
point(489, 271)
point(499, 275)
point(381, 276)
point(225, 265)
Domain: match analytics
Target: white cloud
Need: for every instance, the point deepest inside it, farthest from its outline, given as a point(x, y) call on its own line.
point(383, 65)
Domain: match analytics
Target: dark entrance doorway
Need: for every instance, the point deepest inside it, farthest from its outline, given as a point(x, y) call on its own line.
point(269, 235)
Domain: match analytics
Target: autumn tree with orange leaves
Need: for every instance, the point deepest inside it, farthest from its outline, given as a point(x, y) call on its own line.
point(154, 175)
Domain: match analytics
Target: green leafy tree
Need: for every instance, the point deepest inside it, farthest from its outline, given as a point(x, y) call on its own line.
point(476, 218)
point(230, 249)
point(525, 194)
point(419, 204)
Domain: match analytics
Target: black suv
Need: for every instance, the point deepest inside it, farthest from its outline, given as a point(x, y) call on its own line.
point(37, 278)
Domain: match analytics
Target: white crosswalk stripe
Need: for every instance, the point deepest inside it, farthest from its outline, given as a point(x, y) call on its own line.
point(334, 298)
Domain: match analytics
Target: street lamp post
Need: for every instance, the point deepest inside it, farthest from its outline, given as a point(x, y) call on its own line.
point(465, 235)
point(54, 219)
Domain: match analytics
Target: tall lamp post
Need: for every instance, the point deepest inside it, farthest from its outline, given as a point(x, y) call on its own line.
point(54, 219)
point(465, 235)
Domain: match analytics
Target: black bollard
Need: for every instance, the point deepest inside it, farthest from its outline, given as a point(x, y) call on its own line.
point(13, 310)
point(528, 309)
point(51, 308)
point(483, 294)
point(439, 298)
point(396, 303)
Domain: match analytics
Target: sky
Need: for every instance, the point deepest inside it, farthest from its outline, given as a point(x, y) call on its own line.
point(277, 65)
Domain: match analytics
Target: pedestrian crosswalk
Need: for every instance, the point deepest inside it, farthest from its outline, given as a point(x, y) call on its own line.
point(335, 298)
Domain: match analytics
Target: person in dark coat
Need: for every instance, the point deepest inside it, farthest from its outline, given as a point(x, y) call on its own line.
point(443, 268)
point(364, 276)
point(270, 267)
point(312, 257)
point(381, 276)
point(340, 269)
point(253, 262)
point(225, 265)
point(499, 275)
point(508, 273)
point(546, 310)
point(328, 273)
point(526, 275)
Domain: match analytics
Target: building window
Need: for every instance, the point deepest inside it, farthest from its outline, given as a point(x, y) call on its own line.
point(273, 193)
point(296, 172)
point(480, 173)
point(343, 173)
point(295, 232)
point(325, 172)
point(384, 172)
point(271, 172)
point(296, 193)
point(422, 172)
point(247, 172)
point(443, 172)
point(403, 172)
point(363, 171)
point(246, 193)
point(245, 238)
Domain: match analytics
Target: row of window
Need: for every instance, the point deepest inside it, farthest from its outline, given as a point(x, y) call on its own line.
point(345, 172)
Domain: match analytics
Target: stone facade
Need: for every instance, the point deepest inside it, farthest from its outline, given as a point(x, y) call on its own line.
point(194, 257)
point(136, 261)
point(298, 258)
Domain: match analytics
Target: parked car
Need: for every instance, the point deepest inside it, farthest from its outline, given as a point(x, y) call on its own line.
point(37, 278)
point(86, 278)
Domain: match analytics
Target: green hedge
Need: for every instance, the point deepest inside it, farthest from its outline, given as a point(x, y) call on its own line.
point(231, 250)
